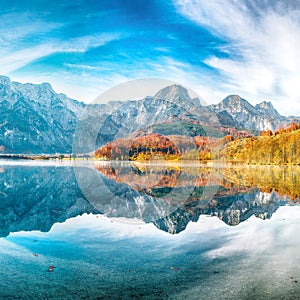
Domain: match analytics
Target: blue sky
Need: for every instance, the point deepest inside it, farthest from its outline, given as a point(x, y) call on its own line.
point(215, 47)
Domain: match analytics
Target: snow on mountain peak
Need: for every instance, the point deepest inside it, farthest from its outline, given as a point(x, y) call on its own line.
point(173, 93)
point(265, 106)
point(4, 80)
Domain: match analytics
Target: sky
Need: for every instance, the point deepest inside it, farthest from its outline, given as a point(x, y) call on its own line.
point(216, 48)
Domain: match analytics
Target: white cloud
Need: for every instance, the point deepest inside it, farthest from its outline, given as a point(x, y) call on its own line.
point(25, 37)
point(81, 66)
point(255, 236)
point(264, 45)
point(82, 44)
point(13, 60)
point(16, 26)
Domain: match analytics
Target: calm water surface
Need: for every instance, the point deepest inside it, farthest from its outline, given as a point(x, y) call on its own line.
point(153, 231)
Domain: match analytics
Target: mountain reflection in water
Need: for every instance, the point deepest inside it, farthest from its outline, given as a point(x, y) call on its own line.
point(235, 193)
point(35, 197)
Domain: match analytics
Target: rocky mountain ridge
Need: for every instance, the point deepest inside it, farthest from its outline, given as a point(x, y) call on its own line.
point(260, 117)
point(35, 119)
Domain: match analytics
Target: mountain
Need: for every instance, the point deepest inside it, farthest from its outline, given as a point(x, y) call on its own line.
point(242, 114)
point(268, 108)
point(178, 94)
point(168, 106)
point(36, 120)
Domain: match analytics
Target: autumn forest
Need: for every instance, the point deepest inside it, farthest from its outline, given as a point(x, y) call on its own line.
point(267, 148)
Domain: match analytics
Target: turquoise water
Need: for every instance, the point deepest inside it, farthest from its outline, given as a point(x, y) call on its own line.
point(46, 220)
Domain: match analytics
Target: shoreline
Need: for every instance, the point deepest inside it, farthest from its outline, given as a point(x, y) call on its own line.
point(24, 158)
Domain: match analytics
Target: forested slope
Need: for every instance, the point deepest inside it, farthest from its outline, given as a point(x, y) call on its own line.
point(281, 148)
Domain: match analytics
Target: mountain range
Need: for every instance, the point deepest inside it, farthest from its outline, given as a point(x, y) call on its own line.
point(35, 119)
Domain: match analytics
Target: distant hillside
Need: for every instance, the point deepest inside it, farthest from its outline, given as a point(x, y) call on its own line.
point(281, 148)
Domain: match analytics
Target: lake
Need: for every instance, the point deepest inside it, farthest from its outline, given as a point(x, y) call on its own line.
point(158, 230)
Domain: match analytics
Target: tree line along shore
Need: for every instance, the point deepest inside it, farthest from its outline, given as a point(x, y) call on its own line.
point(268, 148)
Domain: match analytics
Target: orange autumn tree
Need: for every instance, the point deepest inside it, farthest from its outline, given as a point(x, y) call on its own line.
point(153, 145)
